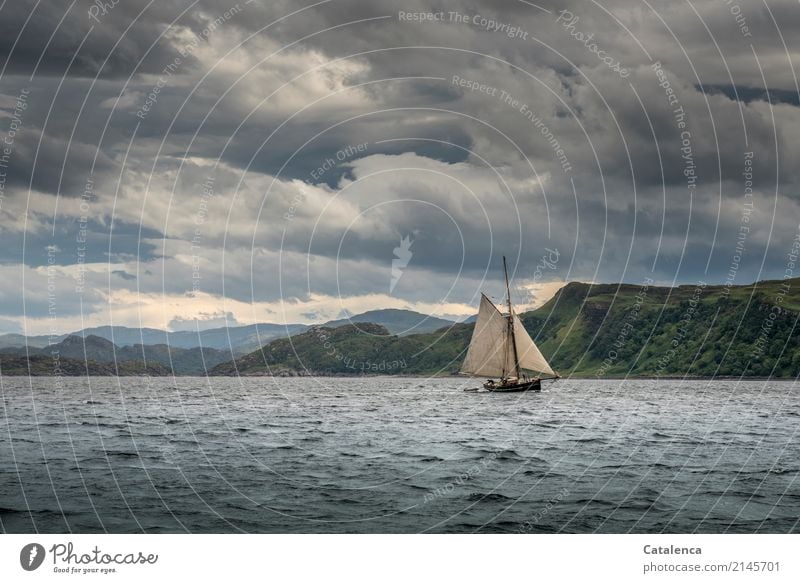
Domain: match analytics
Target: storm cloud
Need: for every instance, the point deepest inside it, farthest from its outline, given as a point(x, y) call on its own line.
point(263, 161)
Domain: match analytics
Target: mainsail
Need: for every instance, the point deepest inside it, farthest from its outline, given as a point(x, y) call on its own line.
point(494, 343)
point(488, 353)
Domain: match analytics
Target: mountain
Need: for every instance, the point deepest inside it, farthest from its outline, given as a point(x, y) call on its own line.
point(695, 330)
point(240, 339)
point(46, 365)
point(17, 340)
point(598, 331)
point(400, 322)
point(243, 339)
point(355, 349)
point(183, 361)
point(98, 350)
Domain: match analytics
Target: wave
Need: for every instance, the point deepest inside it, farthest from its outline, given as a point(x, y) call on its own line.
point(490, 497)
point(782, 471)
point(4, 510)
point(122, 453)
point(500, 454)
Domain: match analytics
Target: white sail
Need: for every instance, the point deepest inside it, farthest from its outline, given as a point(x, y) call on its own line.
point(491, 350)
point(528, 354)
point(488, 354)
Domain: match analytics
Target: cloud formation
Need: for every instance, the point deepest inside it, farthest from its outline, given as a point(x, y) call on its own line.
point(191, 161)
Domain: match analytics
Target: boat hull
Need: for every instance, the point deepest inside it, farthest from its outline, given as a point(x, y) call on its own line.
point(534, 385)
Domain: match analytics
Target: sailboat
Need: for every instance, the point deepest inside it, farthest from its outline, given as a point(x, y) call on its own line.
point(502, 348)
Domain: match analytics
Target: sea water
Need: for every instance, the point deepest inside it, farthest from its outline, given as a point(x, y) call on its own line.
point(390, 454)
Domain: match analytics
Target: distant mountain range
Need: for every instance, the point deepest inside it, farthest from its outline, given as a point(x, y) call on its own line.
point(239, 339)
point(95, 350)
point(598, 331)
point(398, 322)
point(184, 353)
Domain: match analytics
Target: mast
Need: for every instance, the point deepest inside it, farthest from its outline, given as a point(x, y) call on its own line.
point(495, 335)
point(511, 321)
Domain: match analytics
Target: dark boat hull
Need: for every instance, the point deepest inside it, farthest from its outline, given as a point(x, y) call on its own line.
point(534, 385)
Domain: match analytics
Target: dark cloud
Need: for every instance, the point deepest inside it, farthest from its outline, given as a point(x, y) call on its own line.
point(76, 242)
point(350, 121)
point(67, 39)
point(748, 94)
point(123, 274)
point(53, 165)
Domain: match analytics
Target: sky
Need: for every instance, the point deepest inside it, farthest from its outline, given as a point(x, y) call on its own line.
point(202, 163)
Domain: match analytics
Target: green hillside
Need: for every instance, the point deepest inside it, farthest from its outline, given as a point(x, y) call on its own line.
point(587, 330)
point(98, 350)
point(353, 350)
point(41, 365)
point(695, 330)
point(400, 322)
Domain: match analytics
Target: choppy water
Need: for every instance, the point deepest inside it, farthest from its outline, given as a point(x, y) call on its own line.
point(397, 455)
